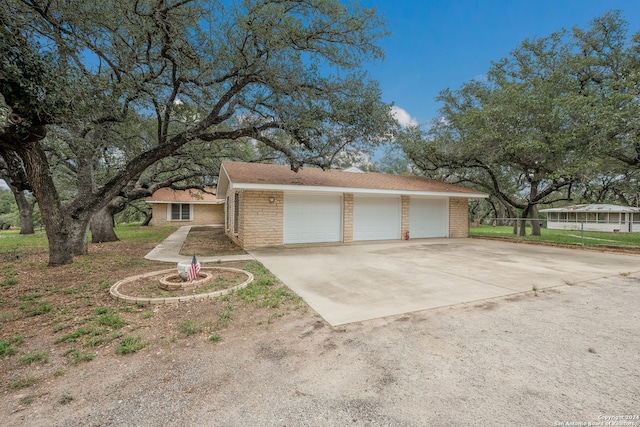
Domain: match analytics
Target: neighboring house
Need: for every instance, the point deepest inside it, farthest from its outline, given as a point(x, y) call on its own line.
point(186, 206)
point(270, 205)
point(594, 218)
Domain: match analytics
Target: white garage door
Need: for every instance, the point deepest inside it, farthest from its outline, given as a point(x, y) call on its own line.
point(428, 218)
point(376, 218)
point(312, 219)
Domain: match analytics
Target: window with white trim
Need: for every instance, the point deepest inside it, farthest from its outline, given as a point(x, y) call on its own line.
point(180, 211)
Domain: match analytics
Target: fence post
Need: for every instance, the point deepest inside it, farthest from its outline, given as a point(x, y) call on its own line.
point(582, 233)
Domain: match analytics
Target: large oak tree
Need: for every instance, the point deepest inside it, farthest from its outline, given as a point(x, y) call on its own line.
point(285, 74)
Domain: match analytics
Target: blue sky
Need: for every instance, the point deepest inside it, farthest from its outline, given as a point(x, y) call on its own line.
point(438, 44)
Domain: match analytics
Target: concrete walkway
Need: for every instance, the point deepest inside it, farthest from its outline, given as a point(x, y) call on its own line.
point(169, 250)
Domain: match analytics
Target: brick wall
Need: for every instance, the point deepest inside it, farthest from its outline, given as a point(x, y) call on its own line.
point(260, 219)
point(458, 217)
point(347, 218)
point(405, 221)
point(202, 215)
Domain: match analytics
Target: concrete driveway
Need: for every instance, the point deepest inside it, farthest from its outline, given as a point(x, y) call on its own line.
point(346, 284)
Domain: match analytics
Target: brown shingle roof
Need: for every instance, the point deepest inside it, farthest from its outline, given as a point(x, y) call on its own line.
point(168, 195)
point(269, 174)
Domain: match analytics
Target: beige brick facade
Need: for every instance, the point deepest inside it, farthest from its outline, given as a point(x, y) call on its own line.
point(347, 217)
point(458, 217)
point(260, 218)
point(202, 214)
point(405, 222)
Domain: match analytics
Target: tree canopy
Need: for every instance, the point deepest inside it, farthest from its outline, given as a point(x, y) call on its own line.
point(82, 80)
point(548, 122)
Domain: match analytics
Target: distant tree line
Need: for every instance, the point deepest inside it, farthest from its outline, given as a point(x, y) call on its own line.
point(556, 122)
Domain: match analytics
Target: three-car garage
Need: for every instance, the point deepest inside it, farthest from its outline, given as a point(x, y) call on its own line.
point(273, 205)
point(319, 218)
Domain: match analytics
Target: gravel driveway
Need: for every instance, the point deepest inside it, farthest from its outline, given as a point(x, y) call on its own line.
point(569, 354)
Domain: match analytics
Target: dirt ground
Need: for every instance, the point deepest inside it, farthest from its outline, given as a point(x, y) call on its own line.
point(566, 355)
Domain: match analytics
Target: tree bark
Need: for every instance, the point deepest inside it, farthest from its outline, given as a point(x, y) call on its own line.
point(25, 209)
point(56, 223)
point(535, 221)
point(102, 226)
point(147, 219)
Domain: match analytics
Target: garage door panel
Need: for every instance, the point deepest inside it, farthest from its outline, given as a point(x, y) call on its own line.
point(428, 218)
point(312, 219)
point(376, 218)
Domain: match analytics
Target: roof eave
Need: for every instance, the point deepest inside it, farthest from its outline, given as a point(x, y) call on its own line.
point(322, 189)
point(223, 183)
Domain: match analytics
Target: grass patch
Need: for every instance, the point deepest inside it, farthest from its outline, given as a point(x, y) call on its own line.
point(225, 317)
point(13, 243)
point(76, 357)
point(564, 237)
point(190, 327)
point(7, 345)
point(215, 338)
point(38, 356)
point(113, 320)
point(23, 382)
point(147, 314)
point(131, 345)
point(9, 282)
point(32, 308)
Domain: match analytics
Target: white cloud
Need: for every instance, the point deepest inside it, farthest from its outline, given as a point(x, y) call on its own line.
point(403, 117)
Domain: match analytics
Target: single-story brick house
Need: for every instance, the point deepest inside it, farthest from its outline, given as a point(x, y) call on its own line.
point(186, 207)
point(270, 205)
point(594, 217)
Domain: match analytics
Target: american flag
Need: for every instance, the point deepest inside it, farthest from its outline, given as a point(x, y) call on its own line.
point(194, 270)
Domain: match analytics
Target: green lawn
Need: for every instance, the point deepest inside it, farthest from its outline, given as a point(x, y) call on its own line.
point(12, 242)
point(567, 237)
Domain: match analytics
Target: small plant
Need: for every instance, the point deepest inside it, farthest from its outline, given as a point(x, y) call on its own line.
point(76, 357)
point(131, 345)
point(7, 345)
point(36, 309)
point(273, 317)
point(625, 273)
point(66, 398)
point(215, 338)
point(569, 283)
point(189, 327)
point(29, 297)
point(73, 336)
point(147, 314)
point(38, 356)
point(9, 282)
point(23, 382)
point(534, 288)
point(58, 373)
point(112, 320)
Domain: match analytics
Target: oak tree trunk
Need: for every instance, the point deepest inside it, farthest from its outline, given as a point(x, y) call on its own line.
point(147, 219)
point(56, 223)
point(102, 226)
point(535, 221)
point(25, 210)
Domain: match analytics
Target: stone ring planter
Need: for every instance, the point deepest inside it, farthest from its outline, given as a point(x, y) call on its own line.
point(115, 293)
point(173, 282)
